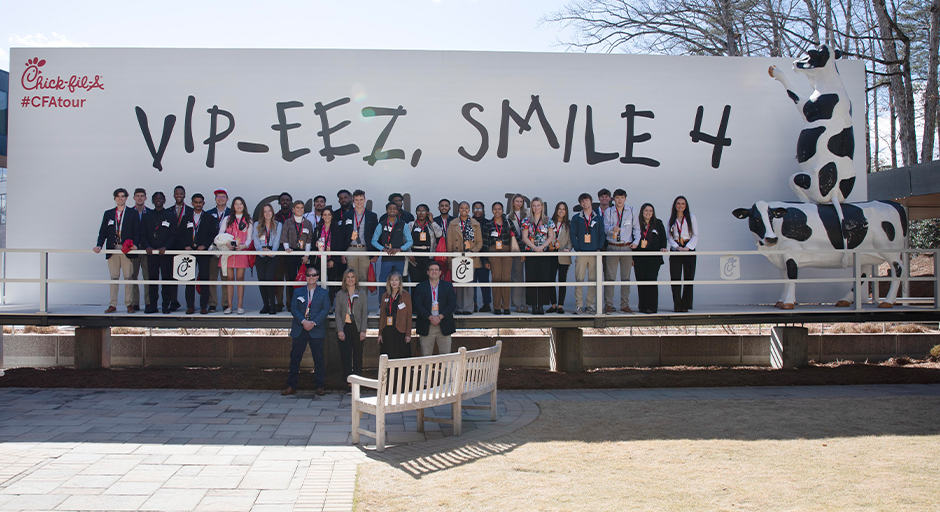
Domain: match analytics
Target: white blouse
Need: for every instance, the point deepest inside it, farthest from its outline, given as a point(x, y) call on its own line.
point(680, 229)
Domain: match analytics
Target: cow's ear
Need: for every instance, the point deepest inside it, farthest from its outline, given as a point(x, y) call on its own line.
point(778, 213)
point(838, 53)
point(742, 213)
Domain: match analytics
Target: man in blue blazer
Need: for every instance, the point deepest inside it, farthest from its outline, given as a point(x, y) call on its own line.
point(118, 225)
point(434, 303)
point(309, 307)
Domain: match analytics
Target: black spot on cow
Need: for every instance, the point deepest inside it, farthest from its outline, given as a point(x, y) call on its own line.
point(846, 186)
point(843, 144)
point(828, 176)
point(897, 269)
point(803, 181)
point(830, 221)
point(792, 269)
point(806, 145)
point(793, 96)
point(854, 225)
point(755, 223)
point(821, 108)
point(795, 226)
point(901, 212)
point(815, 58)
point(888, 229)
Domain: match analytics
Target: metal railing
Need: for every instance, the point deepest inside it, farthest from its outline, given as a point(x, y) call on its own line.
point(43, 280)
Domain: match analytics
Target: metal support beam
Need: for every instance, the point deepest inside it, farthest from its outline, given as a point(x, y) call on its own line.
point(566, 347)
point(789, 347)
point(92, 348)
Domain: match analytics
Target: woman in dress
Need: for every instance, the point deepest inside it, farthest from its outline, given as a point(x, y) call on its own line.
point(329, 237)
point(238, 224)
point(351, 317)
point(517, 214)
point(682, 237)
point(498, 234)
point(538, 234)
point(560, 266)
point(267, 234)
point(395, 319)
point(646, 268)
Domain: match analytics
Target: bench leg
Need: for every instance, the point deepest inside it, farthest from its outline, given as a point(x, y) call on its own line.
point(420, 420)
point(457, 414)
point(380, 432)
point(493, 405)
point(356, 419)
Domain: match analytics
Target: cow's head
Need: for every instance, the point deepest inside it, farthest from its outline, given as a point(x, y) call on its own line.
point(816, 61)
point(760, 216)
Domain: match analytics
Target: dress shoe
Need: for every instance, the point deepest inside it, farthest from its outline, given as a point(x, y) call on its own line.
point(272, 312)
point(111, 309)
point(190, 311)
point(537, 310)
point(505, 311)
point(485, 309)
point(203, 311)
point(320, 392)
point(166, 311)
point(289, 391)
point(498, 312)
point(551, 309)
point(560, 311)
point(608, 310)
point(130, 309)
point(175, 306)
point(150, 310)
point(264, 311)
point(212, 309)
point(626, 309)
point(279, 308)
point(136, 307)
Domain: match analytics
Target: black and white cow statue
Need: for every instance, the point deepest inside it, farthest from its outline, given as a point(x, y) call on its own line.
point(877, 227)
point(826, 144)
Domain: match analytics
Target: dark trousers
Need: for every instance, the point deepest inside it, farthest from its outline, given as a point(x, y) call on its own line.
point(679, 265)
point(350, 351)
point(560, 274)
point(161, 266)
point(482, 275)
point(539, 270)
point(202, 274)
point(419, 269)
point(267, 269)
point(297, 349)
point(648, 294)
point(279, 275)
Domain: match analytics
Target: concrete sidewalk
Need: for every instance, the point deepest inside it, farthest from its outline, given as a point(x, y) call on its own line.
point(103, 449)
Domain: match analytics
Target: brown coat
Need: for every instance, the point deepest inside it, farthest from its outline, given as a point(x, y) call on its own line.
point(403, 321)
point(455, 239)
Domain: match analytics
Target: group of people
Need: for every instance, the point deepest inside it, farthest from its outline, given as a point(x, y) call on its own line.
point(613, 227)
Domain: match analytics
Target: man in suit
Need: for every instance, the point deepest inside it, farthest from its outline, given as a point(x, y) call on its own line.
point(197, 231)
point(180, 210)
point(309, 307)
point(159, 234)
point(140, 264)
point(220, 211)
point(434, 303)
point(359, 226)
point(116, 227)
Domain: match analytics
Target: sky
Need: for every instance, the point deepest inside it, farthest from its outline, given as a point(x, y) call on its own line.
point(494, 25)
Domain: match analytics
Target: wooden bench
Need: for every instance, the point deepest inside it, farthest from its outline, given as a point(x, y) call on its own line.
point(416, 383)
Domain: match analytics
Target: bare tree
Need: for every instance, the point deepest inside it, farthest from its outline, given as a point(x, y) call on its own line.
point(930, 89)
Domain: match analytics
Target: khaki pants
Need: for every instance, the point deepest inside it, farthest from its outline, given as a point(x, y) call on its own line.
point(619, 257)
point(585, 265)
point(120, 264)
point(360, 264)
point(435, 336)
point(214, 290)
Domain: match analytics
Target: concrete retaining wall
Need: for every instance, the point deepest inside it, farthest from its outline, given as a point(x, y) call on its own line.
point(39, 350)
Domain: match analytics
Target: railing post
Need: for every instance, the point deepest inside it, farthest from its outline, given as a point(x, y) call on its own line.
point(323, 263)
point(43, 281)
point(598, 289)
point(3, 286)
point(857, 273)
point(905, 273)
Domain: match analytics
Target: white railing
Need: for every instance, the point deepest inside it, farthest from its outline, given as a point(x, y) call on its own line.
point(43, 280)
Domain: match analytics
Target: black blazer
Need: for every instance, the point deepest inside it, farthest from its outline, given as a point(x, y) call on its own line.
point(446, 303)
point(158, 230)
point(338, 240)
point(656, 241)
point(107, 233)
point(349, 225)
point(189, 236)
point(180, 221)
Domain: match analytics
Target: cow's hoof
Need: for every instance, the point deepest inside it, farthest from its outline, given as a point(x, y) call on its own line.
point(843, 304)
point(779, 304)
point(788, 305)
point(885, 305)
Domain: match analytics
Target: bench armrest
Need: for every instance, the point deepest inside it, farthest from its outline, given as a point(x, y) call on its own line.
point(362, 381)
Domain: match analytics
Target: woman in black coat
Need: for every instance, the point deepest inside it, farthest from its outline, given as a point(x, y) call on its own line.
point(652, 239)
point(328, 236)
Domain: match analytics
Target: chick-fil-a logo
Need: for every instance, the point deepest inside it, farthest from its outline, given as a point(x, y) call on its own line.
point(33, 79)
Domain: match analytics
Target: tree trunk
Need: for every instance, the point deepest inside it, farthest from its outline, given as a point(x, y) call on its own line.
point(894, 130)
point(930, 90)
point(813, 19)
point(901, 89)
point(727, 20)
point(776, 42)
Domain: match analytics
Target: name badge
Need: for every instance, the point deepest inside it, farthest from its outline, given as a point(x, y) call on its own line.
point(423, 237)
point(401, 305)
point(388, 320)
point(348, 221)
point(494, 234)
point(499, 245)
point(355, 235)
point(300, 244)
point(189, 224)
point(305, 230)
point(388, 228)
point(110, 222)
point(262, 238)
point(643, 244)
point(587, 238)
point(592, 224)
point(386, 299)
point(348, 320)
point(165, 223)
point(434, 309)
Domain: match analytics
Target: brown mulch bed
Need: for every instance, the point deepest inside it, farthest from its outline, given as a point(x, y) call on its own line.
point(846, 373)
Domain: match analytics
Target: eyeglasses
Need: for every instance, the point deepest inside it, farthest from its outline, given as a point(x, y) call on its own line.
point(313, 275)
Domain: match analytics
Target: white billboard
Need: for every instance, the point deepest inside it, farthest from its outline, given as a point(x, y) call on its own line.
point(432, 124)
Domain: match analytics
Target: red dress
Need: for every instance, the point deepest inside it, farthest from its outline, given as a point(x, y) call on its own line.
point(242, 236)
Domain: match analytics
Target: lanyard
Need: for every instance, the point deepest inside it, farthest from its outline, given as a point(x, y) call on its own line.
point(587, 222)
point(433, 294)
point(119, 221)
point(463, 228)
point(299, 226)
point(444, 222)
point(646, 231)
point(620, 217)
point(358, 220)
point(391, 302)
point(499, 229)
point(196, 221)
point(325, 235)
point(679, 224)
point(518, 218)
point(309, 301)
point(349, 300)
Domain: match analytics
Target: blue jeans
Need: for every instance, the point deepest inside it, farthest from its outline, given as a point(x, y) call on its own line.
point(297, 349)
point(389, 264)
